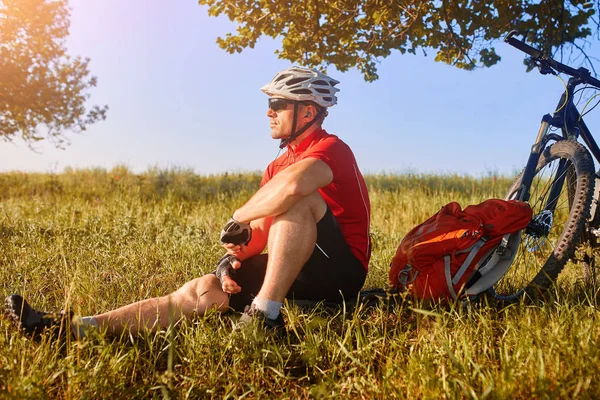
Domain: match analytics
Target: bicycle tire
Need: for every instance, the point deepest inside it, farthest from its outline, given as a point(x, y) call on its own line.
point(588, 264)
point(532, 275)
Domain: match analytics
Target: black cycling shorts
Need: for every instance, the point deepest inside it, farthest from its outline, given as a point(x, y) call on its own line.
point(331, 274)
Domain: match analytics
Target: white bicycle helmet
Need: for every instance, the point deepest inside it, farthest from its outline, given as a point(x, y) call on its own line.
point(303, 84)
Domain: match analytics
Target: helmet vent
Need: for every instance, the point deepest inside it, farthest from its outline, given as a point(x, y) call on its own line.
point(301, 91)
point(295, 81)
point(281, 77)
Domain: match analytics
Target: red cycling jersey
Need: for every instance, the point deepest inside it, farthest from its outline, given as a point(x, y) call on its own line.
point(346, 195)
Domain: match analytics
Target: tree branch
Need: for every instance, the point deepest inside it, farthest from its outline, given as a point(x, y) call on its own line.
point(453, 36)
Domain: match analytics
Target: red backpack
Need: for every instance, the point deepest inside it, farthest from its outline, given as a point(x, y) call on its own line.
point(436, 258)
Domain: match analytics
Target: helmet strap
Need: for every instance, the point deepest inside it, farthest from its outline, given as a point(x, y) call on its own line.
point(294, 135)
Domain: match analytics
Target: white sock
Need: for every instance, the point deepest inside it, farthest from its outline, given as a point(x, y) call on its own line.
point(269, 307)
point(84, 323)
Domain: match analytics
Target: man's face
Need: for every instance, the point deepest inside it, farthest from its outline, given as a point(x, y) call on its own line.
point(281, 117)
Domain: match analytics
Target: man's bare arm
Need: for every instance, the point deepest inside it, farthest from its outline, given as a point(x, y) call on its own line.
point(285, 189)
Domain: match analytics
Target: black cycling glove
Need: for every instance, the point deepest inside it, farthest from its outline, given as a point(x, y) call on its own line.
point(225, 267)
point(236, 232)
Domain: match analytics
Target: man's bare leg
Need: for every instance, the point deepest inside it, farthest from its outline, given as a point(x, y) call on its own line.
point(292, 239)
point(194, 298)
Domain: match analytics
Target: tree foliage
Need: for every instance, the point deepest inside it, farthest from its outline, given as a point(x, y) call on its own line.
point(359, 33)
point(43, 90)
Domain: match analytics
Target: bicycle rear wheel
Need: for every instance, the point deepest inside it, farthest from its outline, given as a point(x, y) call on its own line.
point(550, 240)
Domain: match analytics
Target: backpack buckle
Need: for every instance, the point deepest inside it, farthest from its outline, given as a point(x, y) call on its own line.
point(406, 276)
point(501, 249)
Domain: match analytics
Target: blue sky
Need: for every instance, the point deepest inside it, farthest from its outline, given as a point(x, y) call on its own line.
point(177, 100)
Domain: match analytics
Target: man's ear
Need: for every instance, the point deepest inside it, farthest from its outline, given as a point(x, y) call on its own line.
point(310, 111)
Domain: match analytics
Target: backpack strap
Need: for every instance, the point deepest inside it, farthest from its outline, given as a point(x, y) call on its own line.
point(447, 263)
point(468, 260)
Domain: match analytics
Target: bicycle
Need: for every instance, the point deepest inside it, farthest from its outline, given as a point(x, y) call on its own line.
point(560, 184)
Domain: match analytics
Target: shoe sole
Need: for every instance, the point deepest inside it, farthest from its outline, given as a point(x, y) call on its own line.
point(13, 310)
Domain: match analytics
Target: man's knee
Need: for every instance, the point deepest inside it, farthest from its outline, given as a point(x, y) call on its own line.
point(313, 204)
point(192, 291)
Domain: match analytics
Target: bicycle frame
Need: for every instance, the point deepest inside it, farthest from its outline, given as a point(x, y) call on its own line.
point(572, 126)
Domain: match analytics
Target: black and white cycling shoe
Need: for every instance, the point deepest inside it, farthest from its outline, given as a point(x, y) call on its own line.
point(33, 322)
point(253, 316)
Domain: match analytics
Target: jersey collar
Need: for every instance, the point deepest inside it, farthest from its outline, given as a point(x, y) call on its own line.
point(308, 141)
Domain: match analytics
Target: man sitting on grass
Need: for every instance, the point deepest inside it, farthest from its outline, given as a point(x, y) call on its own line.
point(312, 211)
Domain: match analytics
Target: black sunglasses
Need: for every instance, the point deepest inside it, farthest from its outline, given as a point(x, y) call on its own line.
point(279, 104)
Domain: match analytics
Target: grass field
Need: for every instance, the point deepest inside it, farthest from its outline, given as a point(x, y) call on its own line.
point(94, 240)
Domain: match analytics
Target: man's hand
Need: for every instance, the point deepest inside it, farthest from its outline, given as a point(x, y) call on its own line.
point(236, 233)
point(238, 251)
point(225, 270)
point(230, 286)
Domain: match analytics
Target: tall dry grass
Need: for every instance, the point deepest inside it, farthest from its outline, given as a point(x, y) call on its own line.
point(97, 239)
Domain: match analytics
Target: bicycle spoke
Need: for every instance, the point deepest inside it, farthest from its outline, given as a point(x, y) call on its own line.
point(542, 194)
point(551, 245)
point(516, 262)
point(563, 202)
point(548, 181)
point(519, 252)
point(566, 200)
point(540, 255)
point(527, 257)
point(535, 190)
point(557, 178)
